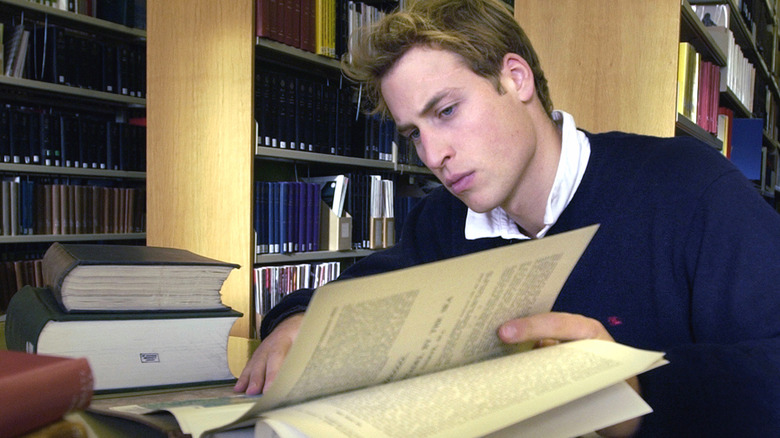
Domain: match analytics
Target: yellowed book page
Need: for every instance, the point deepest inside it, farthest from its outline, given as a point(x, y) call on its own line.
point(195, 419)
point(387, 327)
point(581, 417)
point(421, 319)
point(476, 399)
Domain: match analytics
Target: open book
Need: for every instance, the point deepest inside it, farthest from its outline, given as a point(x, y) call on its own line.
point(414, 352)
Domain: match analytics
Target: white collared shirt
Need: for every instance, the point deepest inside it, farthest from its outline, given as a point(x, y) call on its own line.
point(575, 153)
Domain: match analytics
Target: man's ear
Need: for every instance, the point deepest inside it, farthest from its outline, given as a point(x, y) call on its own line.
point(516, 69)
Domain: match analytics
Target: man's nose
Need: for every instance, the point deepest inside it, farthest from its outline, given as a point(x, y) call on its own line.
point(438, 149)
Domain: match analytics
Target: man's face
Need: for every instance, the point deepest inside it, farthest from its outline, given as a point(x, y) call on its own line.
point(480, 143)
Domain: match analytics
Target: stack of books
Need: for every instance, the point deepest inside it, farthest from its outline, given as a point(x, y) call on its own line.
point(142, 316)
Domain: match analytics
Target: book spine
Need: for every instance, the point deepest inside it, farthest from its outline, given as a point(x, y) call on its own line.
point(25, 320)
point(57, 263)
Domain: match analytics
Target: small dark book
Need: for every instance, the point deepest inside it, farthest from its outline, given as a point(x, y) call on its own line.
point(87, 277)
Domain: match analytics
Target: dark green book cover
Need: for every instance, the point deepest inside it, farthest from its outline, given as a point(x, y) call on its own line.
point(127, 350)
point(31, 308)
point(93, 277)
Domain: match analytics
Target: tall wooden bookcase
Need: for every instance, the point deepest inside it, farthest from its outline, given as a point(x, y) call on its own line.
point(614, 64)
point(200, 135)
point(62, 178)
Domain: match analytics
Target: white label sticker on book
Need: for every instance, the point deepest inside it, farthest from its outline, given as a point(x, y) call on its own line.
point(150, 358)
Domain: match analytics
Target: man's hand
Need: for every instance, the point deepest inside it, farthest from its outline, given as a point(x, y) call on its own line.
point(554, 326)
point(261, 370)
point(549, 329)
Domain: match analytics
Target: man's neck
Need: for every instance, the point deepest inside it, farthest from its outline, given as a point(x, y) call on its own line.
point(529, 204)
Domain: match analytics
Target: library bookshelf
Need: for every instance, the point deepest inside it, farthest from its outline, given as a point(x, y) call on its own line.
point(614, 64)
point(55, 140)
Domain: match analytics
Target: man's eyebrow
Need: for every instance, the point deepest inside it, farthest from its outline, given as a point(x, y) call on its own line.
point(431, 104)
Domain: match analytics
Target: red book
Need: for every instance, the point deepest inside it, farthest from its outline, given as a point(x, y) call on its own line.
point(36, 390)
point(295, 22)
point(307, 26)
point(262, 26)
point(715, 98)
point(702, 100)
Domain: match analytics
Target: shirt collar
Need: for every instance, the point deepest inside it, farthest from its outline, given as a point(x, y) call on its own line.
point(575, 153)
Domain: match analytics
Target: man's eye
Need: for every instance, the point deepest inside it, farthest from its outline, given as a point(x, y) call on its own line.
point(414, 135)
point(447, 111)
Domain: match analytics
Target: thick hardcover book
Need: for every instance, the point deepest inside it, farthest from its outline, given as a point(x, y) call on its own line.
point(125, 350)
point(87, 277)
point(37, 390)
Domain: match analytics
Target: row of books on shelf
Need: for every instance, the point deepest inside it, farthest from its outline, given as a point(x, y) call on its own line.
point(299, 112)
point(287, 217)
point(272, 283)
point(739, 74)
point(289, 214)
point(698, 88)
point(130, 13)
point(15, 274)
point(48, 137)
point(379, 203)
point(54, 54)
point(757, 19)
point(768, 107)
point(33, 207)
point(318, 26)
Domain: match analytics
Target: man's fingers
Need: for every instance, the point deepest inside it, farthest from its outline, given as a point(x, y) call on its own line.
point(552, 326)
point(252, 377)
point(272, 368)
point(264, 364)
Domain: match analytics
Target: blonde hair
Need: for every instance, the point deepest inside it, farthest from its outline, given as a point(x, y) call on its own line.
point(481, 32)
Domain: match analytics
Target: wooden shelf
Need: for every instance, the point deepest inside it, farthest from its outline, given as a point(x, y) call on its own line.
point(43, 238)
point(312, 157)
point(685, 126)
point(70, 171)
point(302, 257)
point(72, 92)
point(267, 47)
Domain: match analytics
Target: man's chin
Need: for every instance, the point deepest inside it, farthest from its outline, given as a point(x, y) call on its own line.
point(477, 207)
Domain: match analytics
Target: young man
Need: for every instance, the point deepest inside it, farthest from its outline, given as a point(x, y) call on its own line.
point(685, 260)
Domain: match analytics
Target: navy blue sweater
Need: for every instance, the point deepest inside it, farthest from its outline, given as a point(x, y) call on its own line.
point(686, 261)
